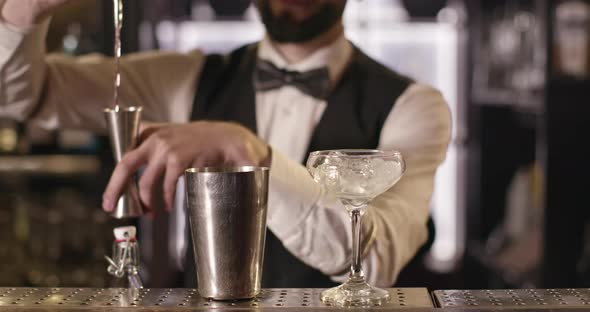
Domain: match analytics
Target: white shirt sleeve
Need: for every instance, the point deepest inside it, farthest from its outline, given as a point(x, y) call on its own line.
point(57, 91)
point(318, 231)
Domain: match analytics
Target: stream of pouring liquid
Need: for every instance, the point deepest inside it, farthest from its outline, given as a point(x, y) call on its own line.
point(118, 8)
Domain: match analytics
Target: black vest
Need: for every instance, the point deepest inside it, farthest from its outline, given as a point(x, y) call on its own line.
point(355, 113)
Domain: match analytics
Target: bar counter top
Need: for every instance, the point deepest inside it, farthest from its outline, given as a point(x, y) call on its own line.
point(302, 299)
point(314, 309)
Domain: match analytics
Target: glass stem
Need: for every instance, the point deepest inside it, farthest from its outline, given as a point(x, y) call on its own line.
point(356, 268)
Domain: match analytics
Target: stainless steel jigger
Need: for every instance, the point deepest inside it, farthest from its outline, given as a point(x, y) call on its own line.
point(123, 126)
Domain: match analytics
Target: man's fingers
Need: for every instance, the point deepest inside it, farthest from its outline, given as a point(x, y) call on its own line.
point(149, 179)
point(174, 170)
point(146, 129)
point(123, 172)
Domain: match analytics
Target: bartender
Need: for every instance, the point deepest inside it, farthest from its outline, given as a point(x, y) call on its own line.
point(303, 87)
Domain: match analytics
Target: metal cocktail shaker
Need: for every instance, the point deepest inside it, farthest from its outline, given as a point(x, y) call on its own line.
point(227, 212)
point(123, 126)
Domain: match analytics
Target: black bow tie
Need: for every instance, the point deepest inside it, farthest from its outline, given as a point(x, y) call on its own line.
point(315, 82)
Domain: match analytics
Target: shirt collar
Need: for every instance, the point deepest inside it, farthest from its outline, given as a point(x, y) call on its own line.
point(335, 56)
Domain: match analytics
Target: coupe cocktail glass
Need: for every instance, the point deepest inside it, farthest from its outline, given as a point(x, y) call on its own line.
point(356, 177)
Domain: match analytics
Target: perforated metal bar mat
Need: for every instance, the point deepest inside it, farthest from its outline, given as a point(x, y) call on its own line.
point(186, 298)
point(521, 298)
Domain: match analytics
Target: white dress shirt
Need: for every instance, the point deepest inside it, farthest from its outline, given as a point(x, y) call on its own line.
point(58, 91)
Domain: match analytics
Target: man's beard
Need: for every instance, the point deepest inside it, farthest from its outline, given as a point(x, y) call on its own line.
point(284, 29)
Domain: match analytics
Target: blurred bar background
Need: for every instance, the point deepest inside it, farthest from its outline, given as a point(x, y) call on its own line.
point(509, 206)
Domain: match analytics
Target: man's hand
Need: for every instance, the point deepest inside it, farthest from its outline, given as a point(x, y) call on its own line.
point(168, 150)
point(25, 13)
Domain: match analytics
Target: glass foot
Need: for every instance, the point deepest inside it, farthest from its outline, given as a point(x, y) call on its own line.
point(354, 294)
